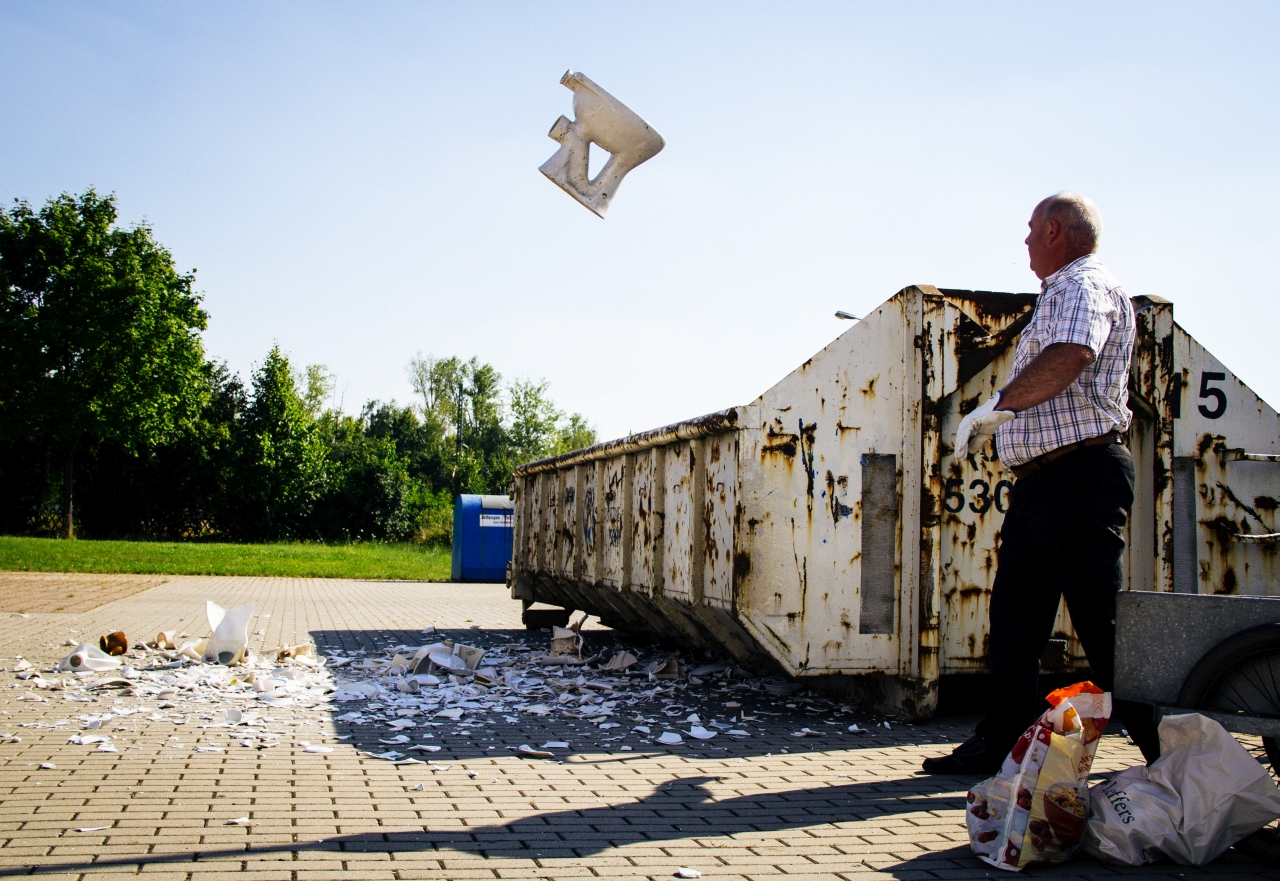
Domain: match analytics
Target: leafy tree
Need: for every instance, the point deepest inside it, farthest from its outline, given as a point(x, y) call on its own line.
point(464, 400)
point(98, 333)
point(317, 383)
point(574, 434)
point(180, 489)
point(281, 460)
point(533, 420)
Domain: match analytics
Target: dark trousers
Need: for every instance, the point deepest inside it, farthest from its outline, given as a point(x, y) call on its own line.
point(1062, 537)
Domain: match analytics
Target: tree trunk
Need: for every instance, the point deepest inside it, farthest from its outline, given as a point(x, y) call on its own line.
point(68, 471)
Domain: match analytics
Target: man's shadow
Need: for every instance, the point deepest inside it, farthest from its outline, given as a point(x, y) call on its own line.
point(677, 809)
point(686, 808)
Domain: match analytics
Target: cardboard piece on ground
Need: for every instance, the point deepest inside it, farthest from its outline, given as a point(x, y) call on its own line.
point(470, 656)
point(566, 642)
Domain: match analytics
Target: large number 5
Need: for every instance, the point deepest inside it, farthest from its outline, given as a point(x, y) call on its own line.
point(1217, 394)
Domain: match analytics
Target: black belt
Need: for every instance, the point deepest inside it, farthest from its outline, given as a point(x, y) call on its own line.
point(1111, 437)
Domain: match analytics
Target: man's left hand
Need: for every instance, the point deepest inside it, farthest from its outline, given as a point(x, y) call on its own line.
point(980, 425)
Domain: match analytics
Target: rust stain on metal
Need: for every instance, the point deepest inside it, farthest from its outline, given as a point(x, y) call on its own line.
point(807, 433)
point(780, 441)
point(838, 508)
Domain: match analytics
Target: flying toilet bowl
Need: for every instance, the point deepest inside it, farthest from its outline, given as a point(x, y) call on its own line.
point(603, 120)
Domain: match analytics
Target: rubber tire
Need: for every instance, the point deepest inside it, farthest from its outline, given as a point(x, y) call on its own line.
point(1199, 686)
point(1224, 658)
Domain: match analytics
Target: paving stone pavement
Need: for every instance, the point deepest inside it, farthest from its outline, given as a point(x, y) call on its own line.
point(830, 807)
point(68, 591)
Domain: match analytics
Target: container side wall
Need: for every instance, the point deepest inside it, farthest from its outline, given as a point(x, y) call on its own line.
point(680, 472)
point(799, 560)
point(975, 497)
point(719, 513)
point(567, 528)
point(613, 479)
point(1220, 420)
point(644, 525)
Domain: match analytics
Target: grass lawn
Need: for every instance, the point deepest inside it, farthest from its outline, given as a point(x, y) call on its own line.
point(368, 560)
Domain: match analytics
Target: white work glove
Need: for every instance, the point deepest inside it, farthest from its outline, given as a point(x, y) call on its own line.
point(980, 425)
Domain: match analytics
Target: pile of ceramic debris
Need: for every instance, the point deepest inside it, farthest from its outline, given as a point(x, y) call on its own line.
point(406, 702)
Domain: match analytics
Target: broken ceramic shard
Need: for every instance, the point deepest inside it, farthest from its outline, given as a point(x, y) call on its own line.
point(114, 643)
point(603, 120)
point(87, 657)
point(230, 633)
point(620, 661)
point(668, 669)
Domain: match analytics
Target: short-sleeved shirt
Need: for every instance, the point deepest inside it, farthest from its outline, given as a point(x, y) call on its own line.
point(1081, 303)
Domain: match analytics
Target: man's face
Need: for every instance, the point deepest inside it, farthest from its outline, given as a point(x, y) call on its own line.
point(1038, 242)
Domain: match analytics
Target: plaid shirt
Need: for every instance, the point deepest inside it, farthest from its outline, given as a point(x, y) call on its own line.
point(1081, 303)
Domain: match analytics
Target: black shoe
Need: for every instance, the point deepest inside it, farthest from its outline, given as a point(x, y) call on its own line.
point(971, 757)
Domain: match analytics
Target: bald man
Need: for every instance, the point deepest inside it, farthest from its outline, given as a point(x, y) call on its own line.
point(1059, 427)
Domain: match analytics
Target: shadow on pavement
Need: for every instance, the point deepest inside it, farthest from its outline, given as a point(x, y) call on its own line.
point(486, 731)
point(679, 809)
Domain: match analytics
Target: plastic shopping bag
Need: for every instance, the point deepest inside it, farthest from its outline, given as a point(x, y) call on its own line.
point(1033, 812)
point(1203, 794)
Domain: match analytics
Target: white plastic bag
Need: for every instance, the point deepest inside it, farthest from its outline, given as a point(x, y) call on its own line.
point(1203, 794)
point(230, 637)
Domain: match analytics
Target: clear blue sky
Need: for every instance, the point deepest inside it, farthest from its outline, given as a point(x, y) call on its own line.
point(359, 182)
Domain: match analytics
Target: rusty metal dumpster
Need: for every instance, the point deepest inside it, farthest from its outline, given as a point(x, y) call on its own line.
point(825, 529)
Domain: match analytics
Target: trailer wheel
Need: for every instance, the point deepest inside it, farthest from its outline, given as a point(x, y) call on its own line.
point(1242, 675)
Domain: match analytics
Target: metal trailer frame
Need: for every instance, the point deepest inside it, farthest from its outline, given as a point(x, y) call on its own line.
point(1187, 628)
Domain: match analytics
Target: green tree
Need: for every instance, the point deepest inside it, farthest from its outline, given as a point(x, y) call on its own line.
point(282, 462)
point(533, 420)
point(317, 383)
point(573, 434)
point(463, 401)
point(98, 333)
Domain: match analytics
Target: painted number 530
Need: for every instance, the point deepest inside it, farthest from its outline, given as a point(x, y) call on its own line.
point(983, 496)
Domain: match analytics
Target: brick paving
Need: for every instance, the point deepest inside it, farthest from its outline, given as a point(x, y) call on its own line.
point(830, 807)
point(68, 591)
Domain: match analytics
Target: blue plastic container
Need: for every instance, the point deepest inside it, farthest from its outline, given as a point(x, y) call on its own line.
point(483, 527)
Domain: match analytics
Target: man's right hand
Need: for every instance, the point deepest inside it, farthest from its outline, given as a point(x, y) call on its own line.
point(980, 425)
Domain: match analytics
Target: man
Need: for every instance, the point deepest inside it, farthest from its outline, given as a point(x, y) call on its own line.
point(1058, 426)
